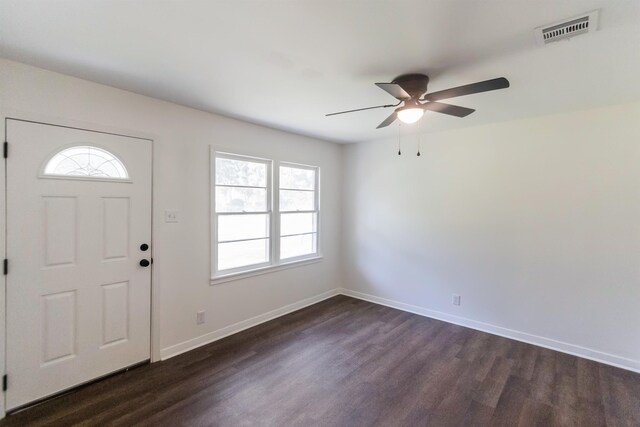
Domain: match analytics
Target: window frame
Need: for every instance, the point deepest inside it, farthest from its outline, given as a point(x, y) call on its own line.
point(273, 212)
point(216, 215)
point(316, 211)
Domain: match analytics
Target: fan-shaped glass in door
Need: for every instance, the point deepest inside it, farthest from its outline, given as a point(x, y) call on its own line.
point(86, 161)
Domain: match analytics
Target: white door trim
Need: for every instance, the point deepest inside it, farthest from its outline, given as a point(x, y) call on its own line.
point(9, 114)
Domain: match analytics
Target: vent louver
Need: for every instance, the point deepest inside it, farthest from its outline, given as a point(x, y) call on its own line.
point(568, 28)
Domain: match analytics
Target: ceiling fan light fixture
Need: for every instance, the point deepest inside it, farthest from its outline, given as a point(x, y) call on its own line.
point(410, 115)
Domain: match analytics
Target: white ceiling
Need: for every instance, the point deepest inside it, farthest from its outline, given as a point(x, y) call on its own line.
point(285, 63)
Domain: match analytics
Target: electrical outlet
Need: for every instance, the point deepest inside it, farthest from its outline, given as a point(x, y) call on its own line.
point(170, 216)
point(200, 317)
point(456, 300)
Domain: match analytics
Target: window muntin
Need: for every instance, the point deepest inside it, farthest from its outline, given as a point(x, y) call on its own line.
point(242, 213)
point(85, 161)
point(298, 203)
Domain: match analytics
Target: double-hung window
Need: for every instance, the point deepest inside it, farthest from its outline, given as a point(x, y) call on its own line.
point(255, 227)
point(242, 213)
point(298, 211)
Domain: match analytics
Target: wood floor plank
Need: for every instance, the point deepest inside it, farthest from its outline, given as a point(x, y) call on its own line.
point(347, 362)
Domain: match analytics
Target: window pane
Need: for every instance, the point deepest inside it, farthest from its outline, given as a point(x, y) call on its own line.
point(294, 246)
point(300, 179)
point(292, 200)
point(239, 199)
point(238, 227)
point(240, 254)
point(84, 160)
point(297, 223)
point(241, 172)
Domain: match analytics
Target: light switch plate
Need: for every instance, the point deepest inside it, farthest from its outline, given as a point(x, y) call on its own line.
point(170, 216)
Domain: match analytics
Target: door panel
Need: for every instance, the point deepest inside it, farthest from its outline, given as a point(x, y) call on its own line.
point(78, 302)
point(115, 313)
point(59, 217)
point(58, 313)
point(115, 225)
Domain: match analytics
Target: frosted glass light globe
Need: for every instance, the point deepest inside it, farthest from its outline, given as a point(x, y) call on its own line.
point(410, 115)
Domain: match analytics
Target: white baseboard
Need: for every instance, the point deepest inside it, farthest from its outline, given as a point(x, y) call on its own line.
point(576, 350)
point(191, 344)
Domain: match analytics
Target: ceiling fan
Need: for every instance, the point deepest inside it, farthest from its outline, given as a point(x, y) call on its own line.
point(409, 89)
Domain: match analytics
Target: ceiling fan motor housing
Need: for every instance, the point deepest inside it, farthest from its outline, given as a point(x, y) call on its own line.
point(414, 84)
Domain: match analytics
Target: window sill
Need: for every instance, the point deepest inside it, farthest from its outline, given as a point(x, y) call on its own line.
point(264, 270)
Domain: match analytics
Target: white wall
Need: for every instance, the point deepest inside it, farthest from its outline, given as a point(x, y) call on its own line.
point(535, 223)
point(182, 137)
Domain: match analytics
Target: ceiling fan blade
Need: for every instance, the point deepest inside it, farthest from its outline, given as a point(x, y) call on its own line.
point(452, 110)
point(362, 109)
point(485, 86)
point(394, 90)
point(388, 121)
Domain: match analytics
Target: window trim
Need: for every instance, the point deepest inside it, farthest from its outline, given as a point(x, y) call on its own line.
point(263, 270)
point(273, 205)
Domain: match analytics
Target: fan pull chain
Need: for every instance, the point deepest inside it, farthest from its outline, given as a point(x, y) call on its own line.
point(420, 126)
point(399, 144)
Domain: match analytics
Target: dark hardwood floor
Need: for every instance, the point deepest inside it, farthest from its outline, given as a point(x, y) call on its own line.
point(346, 362)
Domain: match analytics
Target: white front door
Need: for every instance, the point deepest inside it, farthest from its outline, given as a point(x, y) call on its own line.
point(78, 221)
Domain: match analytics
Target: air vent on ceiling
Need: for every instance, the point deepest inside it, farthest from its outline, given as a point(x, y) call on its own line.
point(567, 28)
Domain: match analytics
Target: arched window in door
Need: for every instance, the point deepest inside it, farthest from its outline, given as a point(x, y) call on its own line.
point(84, 161)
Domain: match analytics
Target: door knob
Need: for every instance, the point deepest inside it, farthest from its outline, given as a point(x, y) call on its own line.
point(144, 262)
